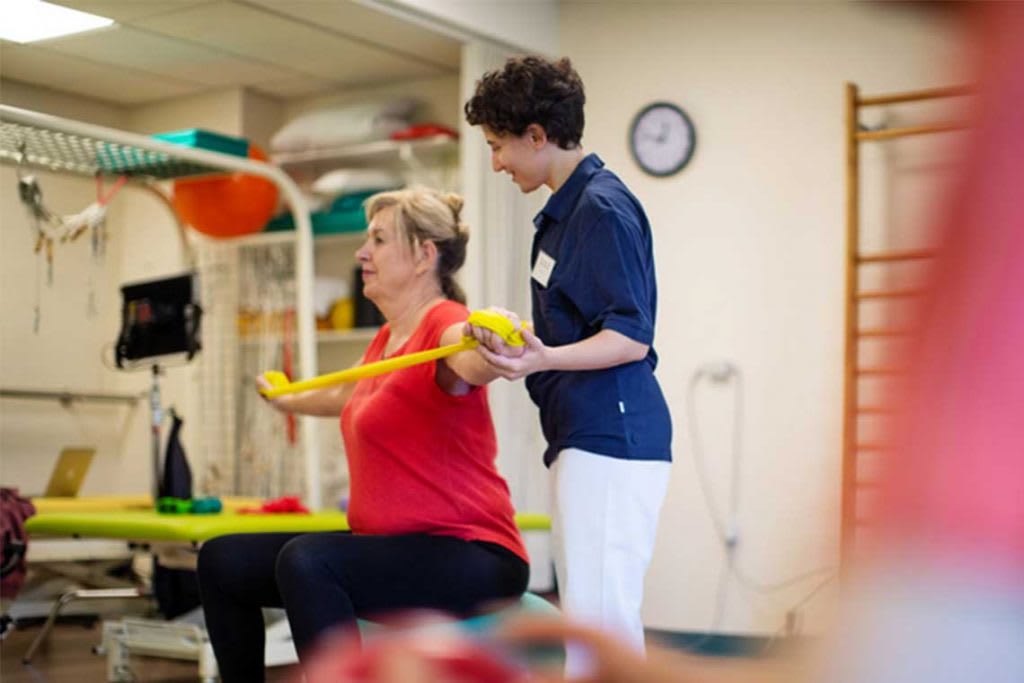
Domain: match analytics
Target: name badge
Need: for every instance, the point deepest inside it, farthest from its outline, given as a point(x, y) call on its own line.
point(542, 269)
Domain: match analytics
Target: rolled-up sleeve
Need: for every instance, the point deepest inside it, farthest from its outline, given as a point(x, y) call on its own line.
point(610, 287)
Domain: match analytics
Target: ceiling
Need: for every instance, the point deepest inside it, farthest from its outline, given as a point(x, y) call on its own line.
point(282, 48)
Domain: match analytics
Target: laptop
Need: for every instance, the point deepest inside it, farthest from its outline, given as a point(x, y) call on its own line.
point(69, 472)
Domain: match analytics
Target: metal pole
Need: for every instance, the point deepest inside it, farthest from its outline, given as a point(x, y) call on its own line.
point(157, 415)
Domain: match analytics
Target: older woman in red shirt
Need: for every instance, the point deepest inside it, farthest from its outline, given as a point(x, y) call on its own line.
point(431, 517)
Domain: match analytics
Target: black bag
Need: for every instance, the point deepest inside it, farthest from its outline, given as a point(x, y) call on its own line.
point(177, 477)
point(176, 590)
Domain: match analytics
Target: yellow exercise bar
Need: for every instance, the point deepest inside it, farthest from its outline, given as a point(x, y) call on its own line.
point(495, 322)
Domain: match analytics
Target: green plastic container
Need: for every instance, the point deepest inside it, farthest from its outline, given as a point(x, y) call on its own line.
point(346, 214)
point(204, 139)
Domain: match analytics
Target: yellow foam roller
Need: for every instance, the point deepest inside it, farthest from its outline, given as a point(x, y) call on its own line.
point(495, 322)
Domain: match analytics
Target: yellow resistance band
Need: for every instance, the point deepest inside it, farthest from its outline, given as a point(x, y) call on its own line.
point(495, 322)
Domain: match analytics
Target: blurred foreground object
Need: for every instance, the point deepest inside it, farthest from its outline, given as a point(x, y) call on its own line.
point(421, 650)
point(941, 599)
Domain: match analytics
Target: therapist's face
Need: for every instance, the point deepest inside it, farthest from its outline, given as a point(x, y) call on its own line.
point(521, 156)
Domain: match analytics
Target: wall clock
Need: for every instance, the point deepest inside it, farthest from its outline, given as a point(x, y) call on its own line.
point(662, 139)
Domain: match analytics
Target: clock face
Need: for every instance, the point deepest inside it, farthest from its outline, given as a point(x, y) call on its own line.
point(662, 139)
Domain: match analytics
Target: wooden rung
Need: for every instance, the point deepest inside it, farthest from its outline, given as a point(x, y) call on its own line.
point(894, 256)
point(890, 294)
point(874, 410)
point(915, 96)
point(883, 332)
point(868, 484)
point(880, 372)
point(872, 447)
point(907, 131)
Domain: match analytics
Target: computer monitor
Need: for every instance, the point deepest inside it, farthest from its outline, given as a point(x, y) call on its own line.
point(159, 318)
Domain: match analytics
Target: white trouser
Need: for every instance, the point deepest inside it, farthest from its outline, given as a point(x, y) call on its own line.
point(603, 529)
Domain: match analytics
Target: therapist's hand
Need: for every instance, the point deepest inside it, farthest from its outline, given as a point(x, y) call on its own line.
point(511, 362)
point(514, 363)
point(492, 340)
point(506, 360)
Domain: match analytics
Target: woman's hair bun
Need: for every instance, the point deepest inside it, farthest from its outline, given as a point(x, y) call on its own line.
point(455, 202)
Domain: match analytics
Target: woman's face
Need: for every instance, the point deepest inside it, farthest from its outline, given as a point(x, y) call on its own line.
point(386, 259)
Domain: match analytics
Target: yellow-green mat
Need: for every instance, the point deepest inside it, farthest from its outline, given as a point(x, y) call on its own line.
point(147, 525)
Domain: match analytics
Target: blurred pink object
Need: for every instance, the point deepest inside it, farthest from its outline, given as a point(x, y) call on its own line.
point(958, 485)
point(943, 601)
point(421, 650)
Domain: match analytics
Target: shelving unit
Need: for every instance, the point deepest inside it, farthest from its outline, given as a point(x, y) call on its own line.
point(356, 334)
point(416, 154)
point(264, 239)
point(52, 143)
point(66, 398)
point(430, 161)
point(431, 150)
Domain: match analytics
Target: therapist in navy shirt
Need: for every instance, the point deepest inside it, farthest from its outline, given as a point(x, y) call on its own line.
point(589, 363)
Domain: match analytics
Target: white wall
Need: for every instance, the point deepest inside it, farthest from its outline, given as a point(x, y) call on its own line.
point(749, 244)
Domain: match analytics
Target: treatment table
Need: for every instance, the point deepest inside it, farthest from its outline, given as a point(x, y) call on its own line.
point(175, 538)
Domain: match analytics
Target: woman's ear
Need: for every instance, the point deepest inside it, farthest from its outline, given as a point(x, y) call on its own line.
point(536, 135)
point(426, 257)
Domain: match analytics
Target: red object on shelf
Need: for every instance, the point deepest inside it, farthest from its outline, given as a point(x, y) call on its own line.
point(284, 504)
point(423, 130)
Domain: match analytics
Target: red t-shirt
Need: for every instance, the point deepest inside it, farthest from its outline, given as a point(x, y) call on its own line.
point(420, 459)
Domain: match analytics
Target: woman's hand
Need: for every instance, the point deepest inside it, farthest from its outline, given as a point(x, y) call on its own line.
point(262, 385)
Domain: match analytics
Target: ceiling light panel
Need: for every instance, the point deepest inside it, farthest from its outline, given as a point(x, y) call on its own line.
point(250, 32)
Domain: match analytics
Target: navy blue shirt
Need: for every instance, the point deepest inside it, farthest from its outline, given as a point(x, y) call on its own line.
point(592, 269)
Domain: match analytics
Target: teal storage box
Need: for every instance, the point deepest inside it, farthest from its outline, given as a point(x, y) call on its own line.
point(204, 139)
point(324, 222)
point(346, 214)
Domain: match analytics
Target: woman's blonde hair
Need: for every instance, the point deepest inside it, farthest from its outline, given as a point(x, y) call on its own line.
point(425, 215)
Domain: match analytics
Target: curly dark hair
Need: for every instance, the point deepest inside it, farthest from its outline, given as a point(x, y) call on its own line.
point(529, 90)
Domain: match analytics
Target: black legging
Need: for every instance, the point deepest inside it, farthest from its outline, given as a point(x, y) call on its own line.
point(325, 580)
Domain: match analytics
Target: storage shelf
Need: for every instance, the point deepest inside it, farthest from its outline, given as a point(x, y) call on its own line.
point(358, 334)
point(380, 152)
point(67, 397)
point(265, 239)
